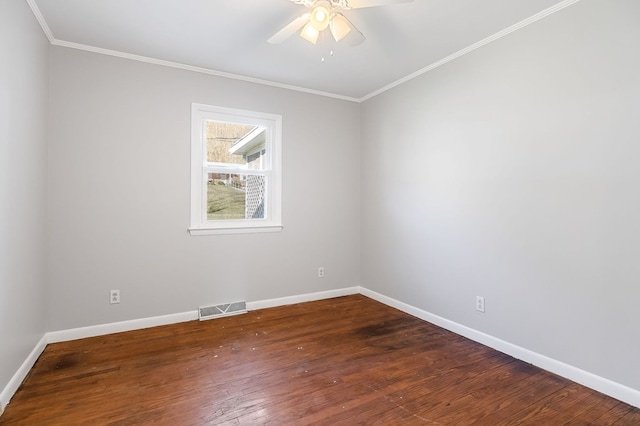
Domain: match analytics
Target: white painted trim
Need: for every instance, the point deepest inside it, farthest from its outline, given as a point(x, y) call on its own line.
point(201, 70)
point(137, 324)
point(198, 232)
point(62, 43)
point(15, 382)
point(600, 384)
point(590, 380)
point(271, 170)
point(43, 24)
point(118, 327)
point(538, 16)
point(309, 297)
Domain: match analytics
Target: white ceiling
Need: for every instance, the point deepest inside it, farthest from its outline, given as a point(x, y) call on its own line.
point(229, 36)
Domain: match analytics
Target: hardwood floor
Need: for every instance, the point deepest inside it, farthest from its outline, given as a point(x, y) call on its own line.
point(348, 360)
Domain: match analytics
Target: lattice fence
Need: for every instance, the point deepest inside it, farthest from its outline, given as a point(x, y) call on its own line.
point(254, 206)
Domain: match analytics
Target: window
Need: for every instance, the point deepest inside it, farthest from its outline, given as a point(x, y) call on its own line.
point(235, 171)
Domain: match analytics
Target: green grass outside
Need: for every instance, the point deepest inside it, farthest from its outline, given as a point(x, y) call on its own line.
point(224, 203)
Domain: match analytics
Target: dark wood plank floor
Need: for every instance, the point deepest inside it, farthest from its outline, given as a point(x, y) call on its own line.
point(348, 360)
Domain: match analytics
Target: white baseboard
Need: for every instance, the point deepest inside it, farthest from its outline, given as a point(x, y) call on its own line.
point(309, 297)
point(137, 324)
point(15, 382)
point(600, 384)
point(608, 387)
point(117, 327)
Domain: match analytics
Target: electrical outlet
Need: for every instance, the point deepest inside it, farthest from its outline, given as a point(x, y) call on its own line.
point(479, 303)
point(114, 296)
point(321, 272)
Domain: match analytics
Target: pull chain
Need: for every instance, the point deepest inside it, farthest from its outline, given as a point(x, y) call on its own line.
point(322, 44)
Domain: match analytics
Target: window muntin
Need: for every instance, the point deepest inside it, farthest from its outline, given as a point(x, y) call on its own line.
point(235, 171)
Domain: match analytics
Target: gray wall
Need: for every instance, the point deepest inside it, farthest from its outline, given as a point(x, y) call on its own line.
point(509, 173)
point(24, 55)
point(119, 194)
point(512, 173)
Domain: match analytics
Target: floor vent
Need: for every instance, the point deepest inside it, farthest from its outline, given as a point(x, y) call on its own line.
point(210, 312)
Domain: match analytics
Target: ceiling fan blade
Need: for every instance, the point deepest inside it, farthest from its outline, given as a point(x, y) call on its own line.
point(357, 4)
point(354, 37)
point(290, 29)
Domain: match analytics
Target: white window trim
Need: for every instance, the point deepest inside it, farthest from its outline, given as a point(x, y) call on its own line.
point(199, 224)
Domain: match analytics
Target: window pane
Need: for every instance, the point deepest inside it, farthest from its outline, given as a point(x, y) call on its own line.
point(231, 143)
point(235, 196)
point(235, 171)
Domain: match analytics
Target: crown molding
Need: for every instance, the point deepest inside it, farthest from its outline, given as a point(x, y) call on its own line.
point(47, 31)
point(201, 70)
point(538, 16)
point(43, 24)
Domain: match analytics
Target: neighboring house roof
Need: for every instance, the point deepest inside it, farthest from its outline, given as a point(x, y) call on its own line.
point(248, 142)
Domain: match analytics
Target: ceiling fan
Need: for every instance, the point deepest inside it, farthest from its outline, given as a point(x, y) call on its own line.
point(325, 14)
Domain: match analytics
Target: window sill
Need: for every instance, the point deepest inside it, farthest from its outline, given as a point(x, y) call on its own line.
point(195, 232)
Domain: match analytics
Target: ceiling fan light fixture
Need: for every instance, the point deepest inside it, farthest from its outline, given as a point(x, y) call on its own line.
point(339, 27)
point(310, 33)
point(320, 17)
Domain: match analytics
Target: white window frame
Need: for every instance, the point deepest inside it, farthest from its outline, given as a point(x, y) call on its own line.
point(200, 225)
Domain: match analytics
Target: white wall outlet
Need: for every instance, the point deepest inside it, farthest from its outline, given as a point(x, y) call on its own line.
point(321, 272)
point(479, 303)
point(114, 296)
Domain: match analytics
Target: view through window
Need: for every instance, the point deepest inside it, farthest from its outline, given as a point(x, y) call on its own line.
point(235, 195)
point(235, 169)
